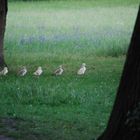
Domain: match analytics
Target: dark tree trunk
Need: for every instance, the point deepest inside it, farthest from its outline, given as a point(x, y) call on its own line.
point(3, 13)
point(124, 122)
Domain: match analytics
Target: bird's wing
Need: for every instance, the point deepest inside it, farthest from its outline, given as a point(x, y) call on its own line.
point(79, 71)
point(21, 71)
point(5, 72)
point(84, 69)
point(40, 72)
point(35, 73)
point(57, 71)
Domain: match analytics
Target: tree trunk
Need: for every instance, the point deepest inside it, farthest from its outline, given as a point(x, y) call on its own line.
point(3, 13)
point(124, 122)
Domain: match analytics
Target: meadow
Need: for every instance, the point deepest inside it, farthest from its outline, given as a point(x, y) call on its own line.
point(50, 33)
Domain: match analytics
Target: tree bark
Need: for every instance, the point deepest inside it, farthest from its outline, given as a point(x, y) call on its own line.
point(124, 122)
point(3, 13)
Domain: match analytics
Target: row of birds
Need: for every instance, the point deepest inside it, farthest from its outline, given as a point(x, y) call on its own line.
point(39, 71)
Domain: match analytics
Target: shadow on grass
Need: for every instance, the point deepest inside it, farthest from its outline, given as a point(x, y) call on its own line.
point(19, 129)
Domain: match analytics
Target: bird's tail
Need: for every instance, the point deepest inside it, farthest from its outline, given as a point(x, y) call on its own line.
point(34, 73)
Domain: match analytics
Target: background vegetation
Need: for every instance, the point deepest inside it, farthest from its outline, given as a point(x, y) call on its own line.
point(69, 33)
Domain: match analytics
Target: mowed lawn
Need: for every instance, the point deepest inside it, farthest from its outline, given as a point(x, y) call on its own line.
point(48, 34)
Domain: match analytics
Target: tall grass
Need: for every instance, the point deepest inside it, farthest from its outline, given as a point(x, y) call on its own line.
point(98, 30)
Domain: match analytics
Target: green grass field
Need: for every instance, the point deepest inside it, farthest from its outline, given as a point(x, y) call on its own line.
point(51, 33)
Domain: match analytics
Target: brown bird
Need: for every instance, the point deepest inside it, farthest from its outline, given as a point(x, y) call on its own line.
point(59, 71)
point(23, 71)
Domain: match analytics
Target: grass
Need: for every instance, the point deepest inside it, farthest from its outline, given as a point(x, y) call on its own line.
point(69, 33)
point(65, 107)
